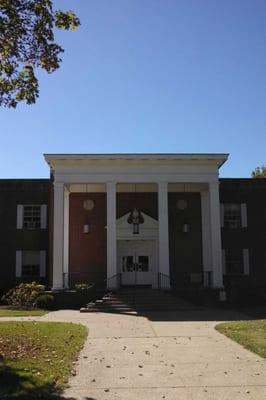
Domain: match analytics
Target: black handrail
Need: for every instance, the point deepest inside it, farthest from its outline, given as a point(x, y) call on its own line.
point(115, 276)
point(164, 281)
point(207, 279)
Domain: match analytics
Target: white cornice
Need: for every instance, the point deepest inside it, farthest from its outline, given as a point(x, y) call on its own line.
point(60, 160)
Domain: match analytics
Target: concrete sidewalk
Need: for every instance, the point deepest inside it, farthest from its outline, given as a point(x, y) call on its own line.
point(166, 356)
point(131, 357)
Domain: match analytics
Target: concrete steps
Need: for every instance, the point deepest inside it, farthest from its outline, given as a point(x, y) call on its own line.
point(137, 301)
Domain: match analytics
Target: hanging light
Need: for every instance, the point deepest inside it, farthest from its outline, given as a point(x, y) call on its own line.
point(135, 218)
point(185, 226)
point(86, 226)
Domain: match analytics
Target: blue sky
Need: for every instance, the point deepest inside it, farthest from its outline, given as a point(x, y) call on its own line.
point(149, 76)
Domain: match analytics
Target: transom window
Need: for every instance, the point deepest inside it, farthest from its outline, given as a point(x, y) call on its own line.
point(30, 263)
point(31, 216)
point(232, 216)
point(234, 261)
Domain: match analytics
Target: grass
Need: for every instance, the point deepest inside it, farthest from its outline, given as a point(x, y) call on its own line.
point(250, 334)
point(36, 358)
point(13, 312)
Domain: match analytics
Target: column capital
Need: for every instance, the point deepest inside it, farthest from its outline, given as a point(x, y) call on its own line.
point(213, 184)
point(58, 185)
point(111, 185)
point(162, 185)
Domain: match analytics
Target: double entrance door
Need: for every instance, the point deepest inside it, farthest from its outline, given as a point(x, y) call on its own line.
point(135, 262)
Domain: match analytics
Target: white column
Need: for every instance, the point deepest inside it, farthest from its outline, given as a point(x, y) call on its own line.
point(111, 234)
point(58, 239)
point(216, 245)
point(206, 234)
point(66, 239)
point(163, 233)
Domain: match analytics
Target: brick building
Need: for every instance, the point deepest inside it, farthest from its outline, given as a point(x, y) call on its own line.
point(160, 220)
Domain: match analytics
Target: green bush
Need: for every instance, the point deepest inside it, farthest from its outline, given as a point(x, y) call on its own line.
point(45, 301)
point(81, 287)
point(25, 294)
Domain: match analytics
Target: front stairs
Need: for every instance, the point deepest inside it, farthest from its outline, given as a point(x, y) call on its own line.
point(138, 300)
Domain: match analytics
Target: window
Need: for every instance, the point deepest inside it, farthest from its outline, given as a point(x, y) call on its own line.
point(232, 216)
point(236, 261)
point(30, 263)
point(32, 216)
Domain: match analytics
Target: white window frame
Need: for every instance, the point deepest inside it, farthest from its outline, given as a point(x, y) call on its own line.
point(43, 217)
point(242, 215)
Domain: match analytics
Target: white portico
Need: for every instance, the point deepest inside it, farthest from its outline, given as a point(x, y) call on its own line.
point(149, 250)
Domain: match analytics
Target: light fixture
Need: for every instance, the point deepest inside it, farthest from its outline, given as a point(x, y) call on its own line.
point(185, 226)
point(88, 206)
point(86, 228)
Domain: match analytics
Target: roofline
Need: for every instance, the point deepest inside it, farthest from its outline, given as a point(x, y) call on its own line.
point(130, 156)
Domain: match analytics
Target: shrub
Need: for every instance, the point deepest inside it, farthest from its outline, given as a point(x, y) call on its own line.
point(25, 294)
point(45, 301)
point(81, 287)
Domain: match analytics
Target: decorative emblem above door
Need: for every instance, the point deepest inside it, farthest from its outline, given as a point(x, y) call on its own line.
point(147, 230)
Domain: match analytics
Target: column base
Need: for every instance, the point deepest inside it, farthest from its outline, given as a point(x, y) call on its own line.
point(58, 288)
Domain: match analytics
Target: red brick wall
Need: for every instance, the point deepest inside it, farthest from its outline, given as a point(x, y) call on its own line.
point(87, 252)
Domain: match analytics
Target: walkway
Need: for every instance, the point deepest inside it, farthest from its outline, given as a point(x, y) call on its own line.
point(172, 356)
point(129, 357)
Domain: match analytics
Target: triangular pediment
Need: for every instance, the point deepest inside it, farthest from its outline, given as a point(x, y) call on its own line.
point(149, 228)
point(149, 222)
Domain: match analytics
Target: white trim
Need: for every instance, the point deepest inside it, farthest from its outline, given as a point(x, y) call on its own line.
point(42, 263)
point(164, 267)
point(58, 240)
point(18, 263)
point(244, 219)
point(246, 261)
point(222, 214)
point(43, 216)
point(216, 243)
point(66, 238)
point(111, 233)
point(19, 216)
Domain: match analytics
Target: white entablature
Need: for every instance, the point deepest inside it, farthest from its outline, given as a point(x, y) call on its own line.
point(87, 168)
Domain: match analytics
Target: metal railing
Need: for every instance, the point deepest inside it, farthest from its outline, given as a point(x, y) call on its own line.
point(70, 279)
point(164, 281)
point(114, 281)
point(207, 279)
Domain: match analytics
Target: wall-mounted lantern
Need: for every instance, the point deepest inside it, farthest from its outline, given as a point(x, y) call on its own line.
point(185, 226)
point(86, 228)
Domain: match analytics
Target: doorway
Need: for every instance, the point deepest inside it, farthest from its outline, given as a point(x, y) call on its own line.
point(135, 258)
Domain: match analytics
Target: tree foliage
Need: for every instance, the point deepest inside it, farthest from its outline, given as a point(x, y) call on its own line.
point(259, 172)
point(27, 43)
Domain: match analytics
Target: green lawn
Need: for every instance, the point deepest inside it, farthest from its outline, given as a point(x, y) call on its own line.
point(13, 312)
point(251, 334)
point(36, 358)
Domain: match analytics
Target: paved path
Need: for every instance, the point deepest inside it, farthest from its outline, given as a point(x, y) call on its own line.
point(171, 356)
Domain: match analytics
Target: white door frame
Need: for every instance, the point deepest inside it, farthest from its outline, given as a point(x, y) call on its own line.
point(136, 248)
